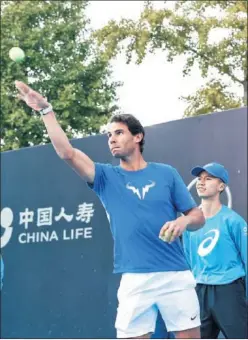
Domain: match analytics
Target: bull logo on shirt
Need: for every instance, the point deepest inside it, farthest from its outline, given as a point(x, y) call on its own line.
point(202, 250)
point(144, 190)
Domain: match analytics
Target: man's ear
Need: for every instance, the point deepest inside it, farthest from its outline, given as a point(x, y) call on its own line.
point(139, 137)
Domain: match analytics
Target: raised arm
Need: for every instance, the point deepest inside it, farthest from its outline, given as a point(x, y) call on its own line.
point(78, 160)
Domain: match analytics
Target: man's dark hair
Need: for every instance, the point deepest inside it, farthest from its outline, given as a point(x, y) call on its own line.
point(133, 124)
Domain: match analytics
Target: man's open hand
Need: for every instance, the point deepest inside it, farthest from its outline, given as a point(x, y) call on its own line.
point(32, 98)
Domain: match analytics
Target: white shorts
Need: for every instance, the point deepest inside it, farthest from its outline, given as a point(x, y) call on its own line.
point(141, 295)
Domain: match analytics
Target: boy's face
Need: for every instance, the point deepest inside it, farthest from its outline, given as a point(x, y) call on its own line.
point(208, 186)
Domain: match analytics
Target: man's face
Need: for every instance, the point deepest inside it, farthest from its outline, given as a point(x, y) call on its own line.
point(208, 186)
point(120, 140)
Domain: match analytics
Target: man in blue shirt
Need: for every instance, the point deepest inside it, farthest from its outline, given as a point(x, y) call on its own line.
point(217, 254)
point(141, 200)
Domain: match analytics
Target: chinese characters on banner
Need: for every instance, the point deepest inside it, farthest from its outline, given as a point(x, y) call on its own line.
point(45, 219)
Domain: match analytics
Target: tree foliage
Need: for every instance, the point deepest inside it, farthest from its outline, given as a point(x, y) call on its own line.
point(212, 97)
point(62, 62)
point(188, 29)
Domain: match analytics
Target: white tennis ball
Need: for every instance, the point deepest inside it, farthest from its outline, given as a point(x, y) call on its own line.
point(16, 54)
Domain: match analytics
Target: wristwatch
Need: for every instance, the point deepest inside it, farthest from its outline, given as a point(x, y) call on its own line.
point(46, 110)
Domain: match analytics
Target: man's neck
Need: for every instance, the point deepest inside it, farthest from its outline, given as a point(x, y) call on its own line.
point(210, 207)
point(133, 163)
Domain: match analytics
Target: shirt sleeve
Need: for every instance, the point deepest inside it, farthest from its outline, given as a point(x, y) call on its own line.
point(238, 231)
point(100, 179)
point(181, 196)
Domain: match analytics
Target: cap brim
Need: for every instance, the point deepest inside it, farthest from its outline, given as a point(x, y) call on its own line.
point(197, 170)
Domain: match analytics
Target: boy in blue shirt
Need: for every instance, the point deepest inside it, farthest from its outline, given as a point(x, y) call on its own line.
point(217, 254)
point(141, 200)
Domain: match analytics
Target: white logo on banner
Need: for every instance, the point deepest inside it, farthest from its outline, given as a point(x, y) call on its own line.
point(203, 251)
point(145, 189)
point(44, 218)
point(6, 223)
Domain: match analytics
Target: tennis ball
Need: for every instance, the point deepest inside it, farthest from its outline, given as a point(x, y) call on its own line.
point(167, 236)
point(16, 54)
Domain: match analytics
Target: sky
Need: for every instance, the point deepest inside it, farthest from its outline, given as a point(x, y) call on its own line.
point(152, 89)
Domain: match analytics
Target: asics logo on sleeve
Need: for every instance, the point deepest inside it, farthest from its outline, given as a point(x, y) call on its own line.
point(213, 239)
point(145, 189)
